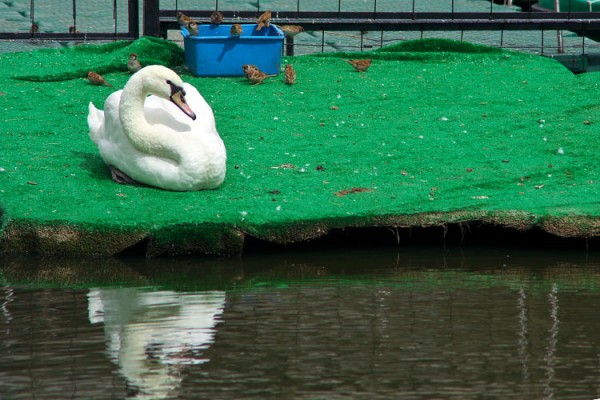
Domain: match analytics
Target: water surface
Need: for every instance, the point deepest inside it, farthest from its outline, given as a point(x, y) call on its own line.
point(352, 324)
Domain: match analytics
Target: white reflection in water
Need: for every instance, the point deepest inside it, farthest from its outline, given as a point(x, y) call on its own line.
point(153, 335)
point(7, 296)
point(550, 357)
point(523, 334)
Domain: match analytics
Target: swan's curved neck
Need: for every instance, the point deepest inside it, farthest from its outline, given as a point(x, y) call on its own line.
point(144, 136)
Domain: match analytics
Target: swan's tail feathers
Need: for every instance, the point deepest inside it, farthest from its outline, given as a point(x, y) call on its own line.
point(95, 121)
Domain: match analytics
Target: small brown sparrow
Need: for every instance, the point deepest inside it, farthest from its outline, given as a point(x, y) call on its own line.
point(290, 74)
point(73, 30)
point(183, 19)
point(257, 77)
point(34, 28)
point(249, 69)
point(216, 18)
point(97, 79)
point(291, 30)
point(236, 30)
point(264, 20)
point(133, 65)
point(360, 65)
point(192, 28)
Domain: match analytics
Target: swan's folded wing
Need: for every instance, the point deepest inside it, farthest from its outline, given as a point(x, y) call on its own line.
point(167, 114)
point(101, 122)
point(197, 102)
point(95, 122)
point(163, 112)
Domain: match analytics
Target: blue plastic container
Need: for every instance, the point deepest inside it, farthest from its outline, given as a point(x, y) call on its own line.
point(214, 52)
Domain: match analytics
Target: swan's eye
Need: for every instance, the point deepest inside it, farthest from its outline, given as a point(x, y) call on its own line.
point(169, 82)
point(175, 88)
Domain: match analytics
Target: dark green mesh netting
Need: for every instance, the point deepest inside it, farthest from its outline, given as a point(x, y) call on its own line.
point(434, 132)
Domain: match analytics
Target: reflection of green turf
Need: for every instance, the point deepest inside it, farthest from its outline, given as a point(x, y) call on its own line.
point(434, 132)
point(407, 269)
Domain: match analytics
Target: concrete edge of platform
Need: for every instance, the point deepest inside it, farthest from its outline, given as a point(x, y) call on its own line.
point(64, 239)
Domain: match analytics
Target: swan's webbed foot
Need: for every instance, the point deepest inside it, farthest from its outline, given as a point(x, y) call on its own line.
point(120, 177)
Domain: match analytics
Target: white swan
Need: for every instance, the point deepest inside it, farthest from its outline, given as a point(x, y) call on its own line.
point(158, 140)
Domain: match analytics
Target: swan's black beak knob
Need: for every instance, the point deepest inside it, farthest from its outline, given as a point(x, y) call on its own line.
point(178, 98)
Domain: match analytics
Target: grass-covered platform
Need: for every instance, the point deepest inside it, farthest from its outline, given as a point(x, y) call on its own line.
point(434, 133)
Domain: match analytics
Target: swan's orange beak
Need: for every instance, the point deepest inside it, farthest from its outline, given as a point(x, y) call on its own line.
point(178, 98)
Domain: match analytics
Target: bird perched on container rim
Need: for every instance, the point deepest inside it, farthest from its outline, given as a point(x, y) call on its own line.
point(264, 20)
point(216, 18)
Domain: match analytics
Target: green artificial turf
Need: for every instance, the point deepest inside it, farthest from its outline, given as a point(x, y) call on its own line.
point(434, 132)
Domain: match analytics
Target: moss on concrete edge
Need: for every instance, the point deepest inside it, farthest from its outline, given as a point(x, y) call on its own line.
point(65, 239)
point(222, 239)
point(71, 240)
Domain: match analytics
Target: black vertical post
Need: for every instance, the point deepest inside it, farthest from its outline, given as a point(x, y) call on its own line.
point(115, 18)
point(289, 45)
point(583, 45)
point(151, 18)
point(74, 16)
point(133, 13)
point(32, 13)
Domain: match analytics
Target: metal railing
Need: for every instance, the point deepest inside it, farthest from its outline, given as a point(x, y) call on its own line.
point(407, 16)
point(72, 33)
point(157, 21)
point(394, 21)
